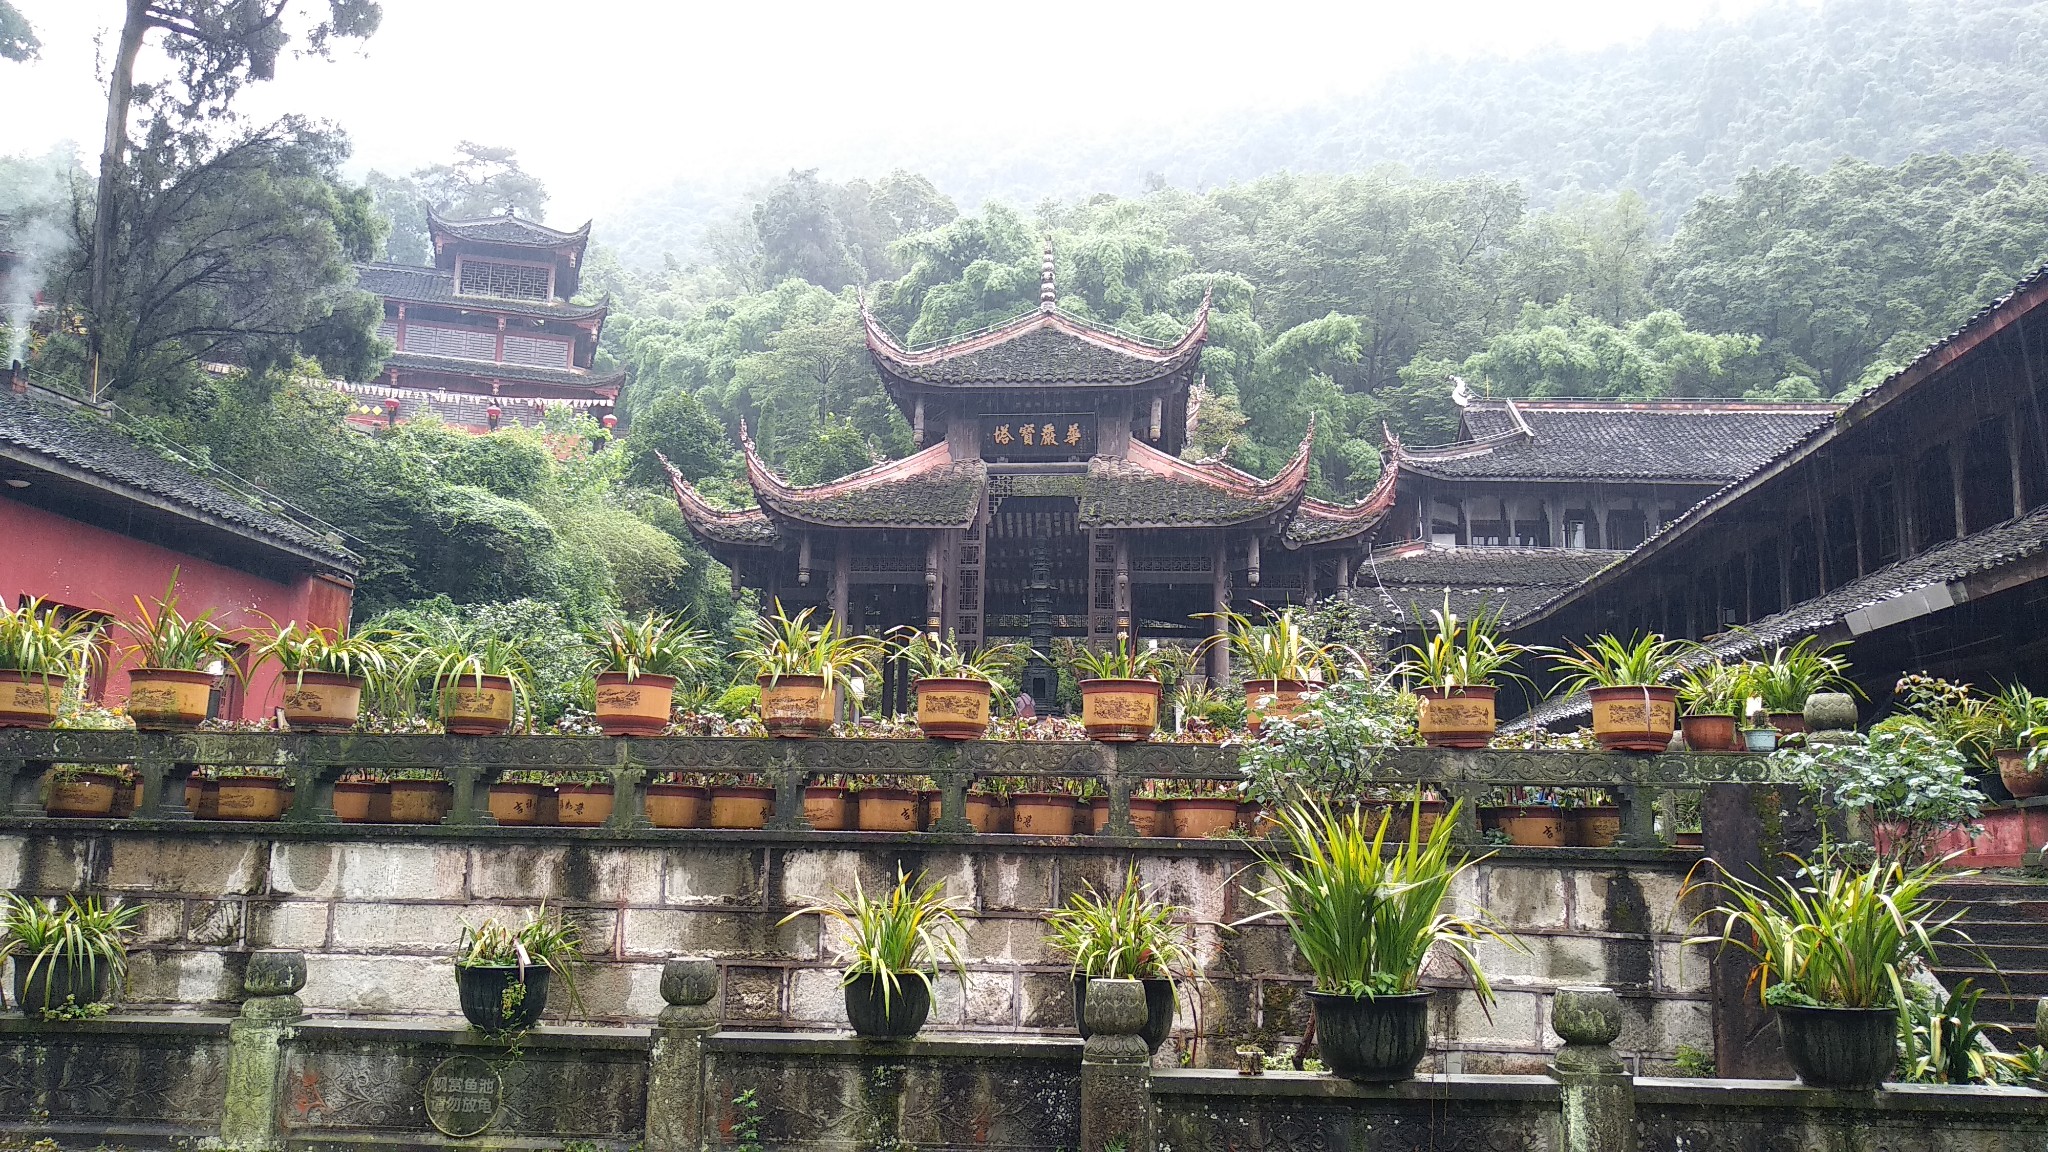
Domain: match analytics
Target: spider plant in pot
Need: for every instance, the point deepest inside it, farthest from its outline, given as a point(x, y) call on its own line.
point(1131, 935)
point(325, 671)
point(1832, 946)
point(1365, 909)
point(800, 668)
point(1453, 671)
point(176, 661)
point(40, 652)
point(1794, 674)
point(897, 942)
point(1282, 665)
point(480, 683)
point(2018, 731)
point(1710, 697)
point(956, 689)
point(68, 955)
point(1633, 708)
point(503, 973)
point(1119, 688)
point(638, 663)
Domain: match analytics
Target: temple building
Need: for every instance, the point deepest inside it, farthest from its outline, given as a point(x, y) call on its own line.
point(488, 334)
point(1047, 499)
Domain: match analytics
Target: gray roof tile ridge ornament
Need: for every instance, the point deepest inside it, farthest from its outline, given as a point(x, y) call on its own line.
point(1048, 299)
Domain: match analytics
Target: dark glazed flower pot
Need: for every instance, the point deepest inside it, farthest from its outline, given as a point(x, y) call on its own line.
point(482, 990)
point(55, 980)
point(1852, 1048)
point(1373, 1039)
point(1158, 1010)
point(909, 1003)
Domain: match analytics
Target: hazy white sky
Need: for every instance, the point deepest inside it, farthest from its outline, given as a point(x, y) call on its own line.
point(605, 99)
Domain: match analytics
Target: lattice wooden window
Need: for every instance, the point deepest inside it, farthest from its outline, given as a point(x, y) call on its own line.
point(507, 281)
point(537, 351)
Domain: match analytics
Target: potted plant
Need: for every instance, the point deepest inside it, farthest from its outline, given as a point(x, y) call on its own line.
point(1282, 665)
point(956, 690)
point(502, 973)
point(828, 804)
point(1832, 946)
point(359, 795)
point(1047, 809)
point(1199, 809)
point(1633, 709)
point(638, 663)
point(1119, 689)
point(1710, 696)
point(413, 796)
point(1904, 784)
point(66, 958)
point(176, 660)
point(1364, 914)
point(800, 668)
point(40, 652)
point(1527, 818)
point(2019, 727)
point(1595, 818)
point(583, 799)
point(1793, 674)
point(885, 804)
point(741, 801)
point(481, 684)
point(1453, 672)
point(325, 672)
point(1132, 935)
point(673, 802)
point(896, 943)
point(514, 798)
point(250, 793)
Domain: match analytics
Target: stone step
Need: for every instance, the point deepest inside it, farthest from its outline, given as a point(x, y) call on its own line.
point(2006, 957)
point(2031, 985)
point(2001, 931)
point(2015, 1012)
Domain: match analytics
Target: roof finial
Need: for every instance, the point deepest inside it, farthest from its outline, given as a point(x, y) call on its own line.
point(1047, 299)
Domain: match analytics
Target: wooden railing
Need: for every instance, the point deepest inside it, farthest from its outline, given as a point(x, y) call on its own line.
point(313, 763)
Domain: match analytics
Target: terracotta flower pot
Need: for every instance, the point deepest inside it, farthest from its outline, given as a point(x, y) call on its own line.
point(953, 708)
point(1530, 826)
point(676, 805)
point(1596, 826)
point(81, 794)
point(1145, 816)
point(470, 708)
point(1789, 723)
point(636, 707)
point(1281, 698)
point(321, 701)
point(250, 798)
point(1635, 719)
point(1711, 733)
point(828, 807)
point(988, 813)
point(583, 805)
point(1457, 717)
point(354, 800)
point(29, 700)
point(168, 698)
point(1119, 710)
point(418, 801)
point(798, 707)
point(515, 804)
point(202, 798)
point(2018, 780)
point(1689, 840)
point(1042, 814)
point(741, 806)
point(1200, 817)
point(887, 809)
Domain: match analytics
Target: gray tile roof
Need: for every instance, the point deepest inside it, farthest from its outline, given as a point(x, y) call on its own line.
point(1395, 587)
point(414, 284)
point(942, 497)
point(1040, 356)
point(514, 230)
point(487, 369)
point(1701, 443)
point(78, 440)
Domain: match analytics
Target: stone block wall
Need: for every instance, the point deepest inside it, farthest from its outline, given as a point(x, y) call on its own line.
point(377, 910)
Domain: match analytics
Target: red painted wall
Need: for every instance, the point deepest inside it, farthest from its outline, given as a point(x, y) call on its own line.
point(83, 566)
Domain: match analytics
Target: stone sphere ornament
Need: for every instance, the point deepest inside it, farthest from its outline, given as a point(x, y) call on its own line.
point(689, 982)
point(274, 972)
point(1586, 1015)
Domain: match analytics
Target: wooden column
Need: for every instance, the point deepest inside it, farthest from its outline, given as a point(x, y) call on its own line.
point(842, 577)
point(931, 583)
point(1219, 603)
point(501, 340)
point(1126, 595)
point(2012, 457)
point(1343, 572)
point(399, 344)
point(1955, 483)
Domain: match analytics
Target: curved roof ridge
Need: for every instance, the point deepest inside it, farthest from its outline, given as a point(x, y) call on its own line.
point(1054, 318)
point(760, 475)
point(458, 223)
point(693, 503)
point(1293, 475)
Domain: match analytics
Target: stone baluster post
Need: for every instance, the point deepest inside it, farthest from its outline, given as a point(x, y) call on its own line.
point(1595, 1090)
point(675, 1078)
point(1116, 1071)
point(248, 1118)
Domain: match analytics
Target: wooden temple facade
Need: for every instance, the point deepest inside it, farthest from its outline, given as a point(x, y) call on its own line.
point(1047, 499)
point(488, 333)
